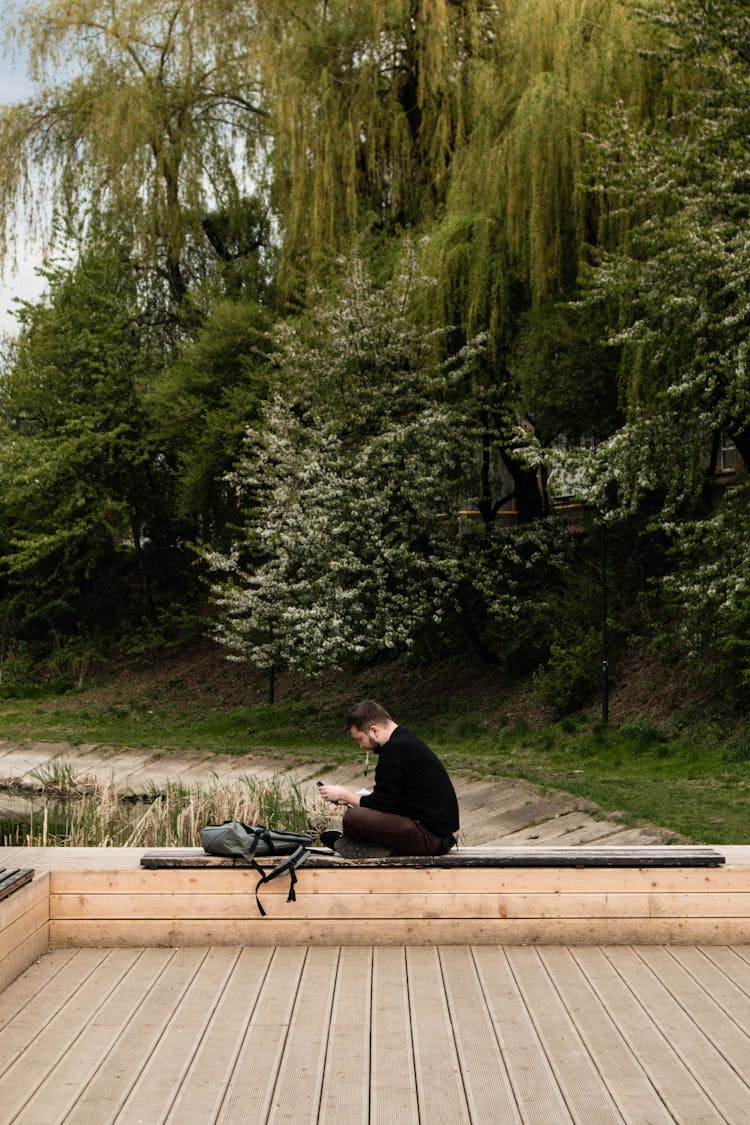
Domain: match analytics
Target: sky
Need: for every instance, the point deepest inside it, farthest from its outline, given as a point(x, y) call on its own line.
point(15, 86)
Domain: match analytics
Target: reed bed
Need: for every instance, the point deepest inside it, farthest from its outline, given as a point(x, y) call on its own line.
point(173, 816)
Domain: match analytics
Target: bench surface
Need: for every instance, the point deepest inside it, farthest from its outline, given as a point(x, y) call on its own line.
point(11, 878)
point(648, 856)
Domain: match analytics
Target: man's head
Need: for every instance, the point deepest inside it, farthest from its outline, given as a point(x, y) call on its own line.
point(370, 724)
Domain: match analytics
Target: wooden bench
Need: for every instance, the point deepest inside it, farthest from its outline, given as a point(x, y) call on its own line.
point(12, 879)
point(511, 896)
point(24, 920)
point(579, 857)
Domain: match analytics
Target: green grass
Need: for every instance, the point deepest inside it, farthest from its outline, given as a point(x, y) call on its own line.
point(694, 781)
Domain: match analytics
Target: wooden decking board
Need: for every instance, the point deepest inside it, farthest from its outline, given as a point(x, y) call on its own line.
point(60, 1036)
point(393, 1084)
point(254, 1076)
point(46, 1005)
point(585, 1095)
point(31, 983)
point(440, 1091)
point(486, 1084)
point(671, 1077)
point(728, 1094)
point(299, 1084)
point(731, 964)
point(54, 1097)
point(206, 1081)
point(102, 1098)
point(454, 1034)
point(728, 1047)
point(152, 1095)
point(536, 1090)
point(345, 1096)
point(613, 1056)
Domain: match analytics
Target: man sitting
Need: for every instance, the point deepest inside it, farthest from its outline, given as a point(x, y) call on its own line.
point(412, 809)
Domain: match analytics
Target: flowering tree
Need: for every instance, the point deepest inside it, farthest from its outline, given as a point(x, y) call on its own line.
point(678, 285)
point(353, 478)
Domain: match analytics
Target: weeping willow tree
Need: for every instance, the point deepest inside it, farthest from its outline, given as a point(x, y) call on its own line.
point(371, 101)
point(518, 221)
point(146, 110)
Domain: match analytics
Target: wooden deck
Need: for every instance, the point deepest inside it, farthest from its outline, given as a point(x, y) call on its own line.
point(384, 996)
point(387, 1035)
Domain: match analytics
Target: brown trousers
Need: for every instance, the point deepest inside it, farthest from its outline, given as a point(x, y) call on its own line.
point(388, 830)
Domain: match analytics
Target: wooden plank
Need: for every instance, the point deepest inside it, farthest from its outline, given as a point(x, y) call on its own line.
point(727, 1092)
point(158, 1083)
point(39, 1055)
point(614, 1057)
point(393, 1084)
point(732, 964)
point(16, 996)
point(19, 904)
point(439, 1083)
point(417, 905)
point(24, 941)
point(332, 931)
point(677, 1085)
point(723, 1032)
point(12, 879)
point(203, 1088)
point(345, 1097)
point(46, 1005)
point(536, 1090)
point(405, 880)
point(556, 856)
point(102, 1098)
point(581, 1085)
point(723, 987)
point(488, 1090)
point(56, 1095)
point(253, 1080)
point(298, 1089)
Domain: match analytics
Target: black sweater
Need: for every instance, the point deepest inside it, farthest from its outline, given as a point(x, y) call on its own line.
point(410, 780)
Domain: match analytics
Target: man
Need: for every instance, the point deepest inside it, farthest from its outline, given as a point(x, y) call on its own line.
point(412, 809)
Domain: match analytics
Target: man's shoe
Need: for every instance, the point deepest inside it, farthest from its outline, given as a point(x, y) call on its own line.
point(328, 839)
point(358, 849)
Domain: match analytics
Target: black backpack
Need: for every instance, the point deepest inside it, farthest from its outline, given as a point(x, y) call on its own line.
point(245, 841)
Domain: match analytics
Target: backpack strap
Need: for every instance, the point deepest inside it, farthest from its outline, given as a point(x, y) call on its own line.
point(288, 866)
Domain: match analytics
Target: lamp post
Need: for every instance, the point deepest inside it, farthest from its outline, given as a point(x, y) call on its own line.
point(605, 663)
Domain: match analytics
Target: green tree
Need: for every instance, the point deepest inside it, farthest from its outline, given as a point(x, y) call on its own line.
point(85, 494)
point(201, 405)
point(151, 115)
point(519, 222)
point(353, 480)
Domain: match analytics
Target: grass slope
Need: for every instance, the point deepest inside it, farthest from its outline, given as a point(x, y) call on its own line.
point(652, 762)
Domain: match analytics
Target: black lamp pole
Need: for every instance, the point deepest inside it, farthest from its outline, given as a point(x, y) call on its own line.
point(605, 664)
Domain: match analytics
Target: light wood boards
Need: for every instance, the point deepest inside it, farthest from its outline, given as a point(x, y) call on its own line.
point(371, 1035)
point(24, 928)
point(387, 906)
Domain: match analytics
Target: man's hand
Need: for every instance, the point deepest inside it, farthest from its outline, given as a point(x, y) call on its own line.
point(338, 795)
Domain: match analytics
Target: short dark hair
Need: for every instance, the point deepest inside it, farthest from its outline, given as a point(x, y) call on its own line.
point(364, 714)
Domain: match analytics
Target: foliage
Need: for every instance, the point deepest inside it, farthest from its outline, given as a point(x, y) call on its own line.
point(150, 114)
point(369, 103)
point(200, 406)
point(679, 283)
point(102, 816)
point(354, 476)
point(83, 488)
